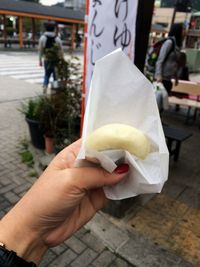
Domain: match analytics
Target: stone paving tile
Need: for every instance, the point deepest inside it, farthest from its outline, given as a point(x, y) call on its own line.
point(186, 244)
point(173, 189)
point(59, 249)
point(48, 258)
point(81, 232)
point(104, 259)
point(12, 197)
point(167, 206)
point(191, 197)
point(155, 226)
point(2, 213)
point(75, 244)
point(7, 188)
point(141, 253)
point(3, 178)
point(85, 258)
point(22, 188)
point(64, 259)
point(119, 263)
point(191, 220)
point(4, 204)
point(93, 242)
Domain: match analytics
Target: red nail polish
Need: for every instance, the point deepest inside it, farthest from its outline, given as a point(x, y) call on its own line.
point(122, 168)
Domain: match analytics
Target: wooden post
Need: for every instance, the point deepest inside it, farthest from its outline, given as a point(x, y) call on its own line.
point(4, 31)
point(20, 32)
point(143, 27)
point(33, 32)
point(72, 35)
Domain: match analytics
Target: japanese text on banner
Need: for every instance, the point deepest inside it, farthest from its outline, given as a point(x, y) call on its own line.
point(111, 25)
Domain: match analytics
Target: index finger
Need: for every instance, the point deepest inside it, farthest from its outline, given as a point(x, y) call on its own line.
point(66, 158)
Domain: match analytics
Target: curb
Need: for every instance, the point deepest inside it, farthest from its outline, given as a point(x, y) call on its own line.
point(131, 246)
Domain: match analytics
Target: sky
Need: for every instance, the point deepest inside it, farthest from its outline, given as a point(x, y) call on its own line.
point(50, 2)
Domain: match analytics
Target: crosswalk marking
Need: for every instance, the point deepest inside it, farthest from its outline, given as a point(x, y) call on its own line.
point(11, 72)
point(39, 81)
point(22, 67)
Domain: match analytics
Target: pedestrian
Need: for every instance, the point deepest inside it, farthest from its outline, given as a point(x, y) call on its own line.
point(168, 60)
point(61, 201)
point(46, 42)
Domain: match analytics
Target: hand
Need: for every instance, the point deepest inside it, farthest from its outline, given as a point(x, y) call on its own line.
point(62, 200)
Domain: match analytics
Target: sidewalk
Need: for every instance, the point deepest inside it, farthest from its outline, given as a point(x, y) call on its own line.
point(164, 232)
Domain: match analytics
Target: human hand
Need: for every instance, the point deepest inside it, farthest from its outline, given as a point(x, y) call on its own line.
point(62, 200)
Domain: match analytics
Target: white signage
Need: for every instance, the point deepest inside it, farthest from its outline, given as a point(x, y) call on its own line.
point(111, 25)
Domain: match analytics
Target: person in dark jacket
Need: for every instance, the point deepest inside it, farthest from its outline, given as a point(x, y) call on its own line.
point(49, 37)
point(167, 63)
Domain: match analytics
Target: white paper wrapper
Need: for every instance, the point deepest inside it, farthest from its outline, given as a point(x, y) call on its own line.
point(120, 93)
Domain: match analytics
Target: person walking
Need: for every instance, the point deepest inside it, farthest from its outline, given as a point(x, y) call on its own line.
point(47, 41)
point(167, 64)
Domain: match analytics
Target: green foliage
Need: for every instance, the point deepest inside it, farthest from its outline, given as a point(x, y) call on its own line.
point(26, 155)
point(60, 113)
point(31, 109)
point(27, 158)
point(53, 55)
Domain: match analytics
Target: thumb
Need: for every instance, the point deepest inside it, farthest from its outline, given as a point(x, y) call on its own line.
point(91, 178)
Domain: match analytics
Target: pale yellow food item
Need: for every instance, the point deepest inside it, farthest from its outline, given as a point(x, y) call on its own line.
point(119, 136)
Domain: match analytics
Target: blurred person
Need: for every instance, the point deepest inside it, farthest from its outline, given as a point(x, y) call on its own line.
point(61, 201)
point(168, 61)
point(47, 41)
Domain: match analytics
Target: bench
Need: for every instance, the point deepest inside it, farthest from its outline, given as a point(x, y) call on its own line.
point(190, 88)
point(175, 137)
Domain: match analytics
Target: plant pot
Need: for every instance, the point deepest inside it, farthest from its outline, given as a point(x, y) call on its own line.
point(49, 144)
point(36, 134)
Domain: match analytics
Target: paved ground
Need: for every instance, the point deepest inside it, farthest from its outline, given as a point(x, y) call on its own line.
point(164, 232)
point(23, 66)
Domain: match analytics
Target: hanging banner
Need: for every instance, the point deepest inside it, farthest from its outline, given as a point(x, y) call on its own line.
point(111, 25)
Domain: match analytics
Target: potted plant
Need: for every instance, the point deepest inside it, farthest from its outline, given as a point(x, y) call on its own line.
point(31, 110)
point(60, 114)
point(60, 118)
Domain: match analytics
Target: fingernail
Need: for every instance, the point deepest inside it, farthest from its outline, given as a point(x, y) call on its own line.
point(122, 168)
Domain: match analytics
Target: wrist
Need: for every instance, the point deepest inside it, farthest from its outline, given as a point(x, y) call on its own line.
point(17, 237)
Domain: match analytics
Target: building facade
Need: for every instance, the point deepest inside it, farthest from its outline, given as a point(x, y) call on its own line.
point(75, 4)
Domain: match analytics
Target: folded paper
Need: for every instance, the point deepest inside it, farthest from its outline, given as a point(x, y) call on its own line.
point(120, 93)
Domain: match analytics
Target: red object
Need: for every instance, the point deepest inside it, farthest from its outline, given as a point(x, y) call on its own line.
point(122, 168)
point(49, 144)
point(84, 64)
point(192, 24)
